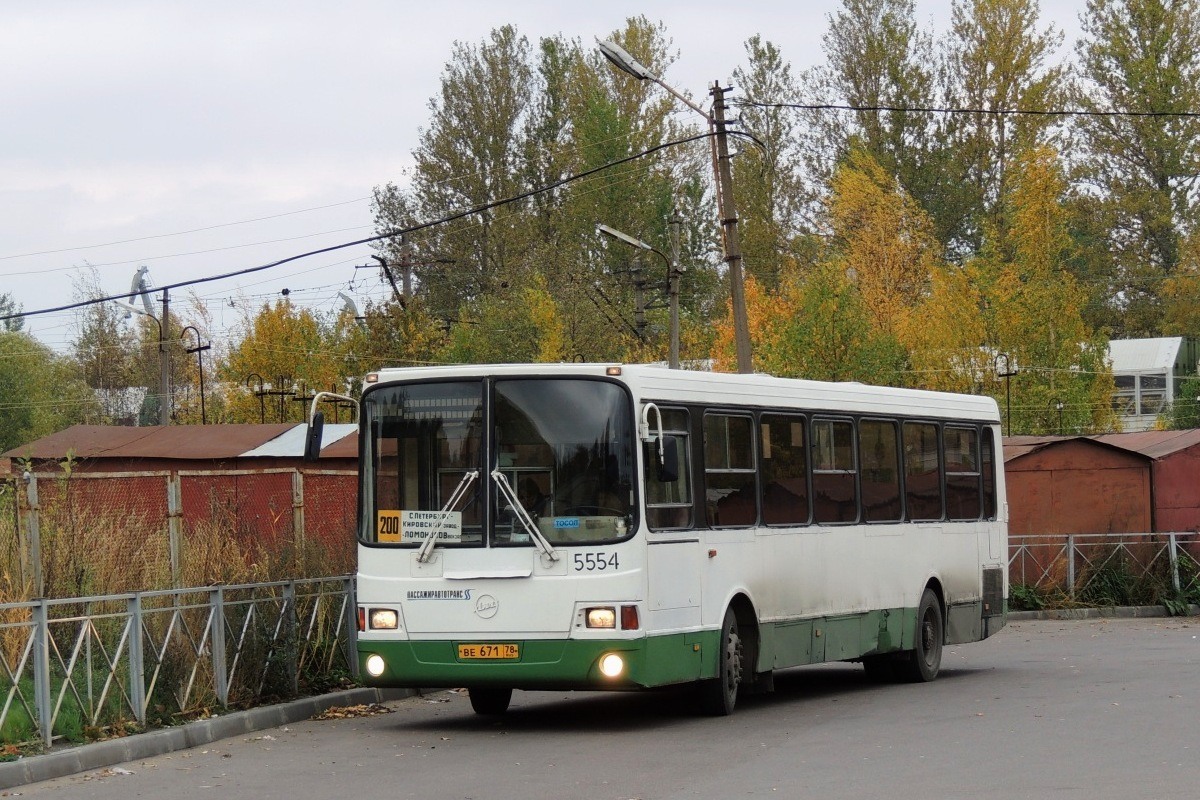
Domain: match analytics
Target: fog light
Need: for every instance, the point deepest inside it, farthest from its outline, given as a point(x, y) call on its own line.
point(611, 665)
point(375, 665)
point(383, 619)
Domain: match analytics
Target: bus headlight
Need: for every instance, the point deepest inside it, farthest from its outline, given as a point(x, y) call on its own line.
point(601, 617)
point(612, 665)
point(384, 619)
point(375, 665)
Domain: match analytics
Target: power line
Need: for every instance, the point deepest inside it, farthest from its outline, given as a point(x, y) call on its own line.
point(1062, 112)
point(378, 237)
point(182, 233)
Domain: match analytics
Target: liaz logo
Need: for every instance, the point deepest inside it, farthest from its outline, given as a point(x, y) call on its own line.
point(572, 522)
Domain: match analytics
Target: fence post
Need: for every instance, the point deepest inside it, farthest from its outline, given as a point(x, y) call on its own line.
point(41, 671)
point(137, 674)
point(1173, 554)
point(216, 634)
point(1071, 566)
point(351, 624)
point(175, 527)
point(31, 545)
point(291, 637)
point(298, 535)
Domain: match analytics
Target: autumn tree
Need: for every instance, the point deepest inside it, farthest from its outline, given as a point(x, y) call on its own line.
point(521, 326)
point(882, 240)
point(291, 351)
point(1141, 61)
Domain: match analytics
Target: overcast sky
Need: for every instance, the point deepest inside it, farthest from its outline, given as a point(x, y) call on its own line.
point(200, 138)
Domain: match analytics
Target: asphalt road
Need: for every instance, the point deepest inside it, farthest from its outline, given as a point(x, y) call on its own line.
point(1090, 709)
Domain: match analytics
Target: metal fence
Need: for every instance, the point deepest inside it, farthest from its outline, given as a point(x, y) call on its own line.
point(1108, 568)
point(89, 667)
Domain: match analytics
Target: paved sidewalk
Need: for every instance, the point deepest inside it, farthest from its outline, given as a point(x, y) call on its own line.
point(74, 759)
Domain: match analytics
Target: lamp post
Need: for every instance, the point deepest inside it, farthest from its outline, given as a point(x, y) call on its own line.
point(199, 351)
point(672, 282)
point(623, 61)
point(164, 360)
point(1007, 371)
point(1058, 406)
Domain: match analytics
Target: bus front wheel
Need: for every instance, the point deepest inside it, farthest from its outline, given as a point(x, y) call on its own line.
point(925, 659)
point(719, 695)
point(489, 700)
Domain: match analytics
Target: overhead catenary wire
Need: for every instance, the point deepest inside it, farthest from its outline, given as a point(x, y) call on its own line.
point(378, 237)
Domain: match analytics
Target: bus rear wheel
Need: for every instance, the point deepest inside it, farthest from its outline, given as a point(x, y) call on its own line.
point(925, 659)
point(719, 695)
point(489, 700)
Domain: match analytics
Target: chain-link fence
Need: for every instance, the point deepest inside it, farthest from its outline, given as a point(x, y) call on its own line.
point(84, 534)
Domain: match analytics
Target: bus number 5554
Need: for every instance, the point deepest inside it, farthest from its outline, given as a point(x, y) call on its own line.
point(595, 562)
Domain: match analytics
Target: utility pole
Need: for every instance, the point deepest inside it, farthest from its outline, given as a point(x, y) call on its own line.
point(164, 363)
point(733, 245)
point(676, 224)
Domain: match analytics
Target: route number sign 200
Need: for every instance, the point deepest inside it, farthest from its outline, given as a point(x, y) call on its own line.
point(595, 562)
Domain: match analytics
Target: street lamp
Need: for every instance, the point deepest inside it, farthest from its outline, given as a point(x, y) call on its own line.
point(164, 363)
point(623, 61)
point(1058, 405)
point(199, 351)
point(1007, 371)
point(673, 273)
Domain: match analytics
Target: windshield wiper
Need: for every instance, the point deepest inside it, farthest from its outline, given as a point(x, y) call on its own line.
point(523, 515)
point(458, 493)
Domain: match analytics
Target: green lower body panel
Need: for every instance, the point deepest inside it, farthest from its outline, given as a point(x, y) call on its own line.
point(662, 660)
point(545, 663)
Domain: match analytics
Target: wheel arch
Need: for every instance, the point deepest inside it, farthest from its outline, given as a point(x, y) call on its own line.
point(747, 620)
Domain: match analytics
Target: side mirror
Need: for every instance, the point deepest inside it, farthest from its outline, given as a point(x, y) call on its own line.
point(668, 464)
point(312, 438)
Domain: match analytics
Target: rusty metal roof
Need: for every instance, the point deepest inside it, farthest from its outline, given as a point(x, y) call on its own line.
point(1153, 444)
point(156, 441)
point(1017, 446)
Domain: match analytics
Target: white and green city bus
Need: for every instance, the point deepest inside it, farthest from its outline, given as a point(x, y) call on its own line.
point(583, 526)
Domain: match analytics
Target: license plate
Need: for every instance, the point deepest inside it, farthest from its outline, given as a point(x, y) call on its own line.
point(493, 651)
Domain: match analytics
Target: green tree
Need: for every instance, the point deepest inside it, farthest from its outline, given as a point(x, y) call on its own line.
point(9, 308)
point(1142, 57)
point(997, 60)
point(40, 391)
point(770, 193)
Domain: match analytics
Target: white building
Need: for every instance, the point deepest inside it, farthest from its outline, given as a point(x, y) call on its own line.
point(1148, 374)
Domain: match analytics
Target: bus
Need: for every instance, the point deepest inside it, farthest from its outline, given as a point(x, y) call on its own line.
point(622, 527)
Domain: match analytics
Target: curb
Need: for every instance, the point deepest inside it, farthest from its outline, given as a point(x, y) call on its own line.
point(82, 758)
point(1116, 612)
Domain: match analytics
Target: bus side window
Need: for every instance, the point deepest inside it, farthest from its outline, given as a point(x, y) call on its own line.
point(835, 484)
point(922, 472)
point(962, 473)
point(729, 486)
point(879, 457)
point(669, 502)
point(989, 474)
point(784, 467)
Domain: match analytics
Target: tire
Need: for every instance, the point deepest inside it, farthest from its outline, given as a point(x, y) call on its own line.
point(489, 700)
point(719, 695)
point(921, 664)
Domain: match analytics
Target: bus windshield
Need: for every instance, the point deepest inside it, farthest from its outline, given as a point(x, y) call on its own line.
point(435, 455)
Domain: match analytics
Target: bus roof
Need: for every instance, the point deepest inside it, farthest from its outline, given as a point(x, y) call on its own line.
point(660, 384)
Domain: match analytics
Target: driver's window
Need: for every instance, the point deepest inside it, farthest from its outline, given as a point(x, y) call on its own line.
point(669, 503)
